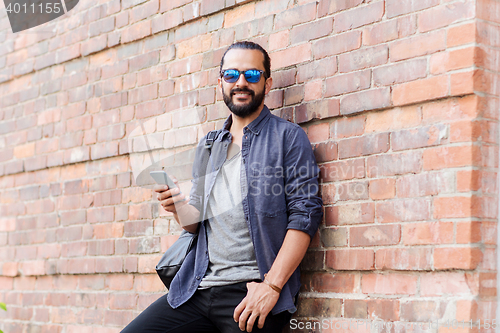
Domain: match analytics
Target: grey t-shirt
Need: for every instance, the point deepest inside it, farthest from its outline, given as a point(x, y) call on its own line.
point(230, 248)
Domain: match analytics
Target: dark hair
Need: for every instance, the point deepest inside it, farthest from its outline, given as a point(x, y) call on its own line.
point(251, 46)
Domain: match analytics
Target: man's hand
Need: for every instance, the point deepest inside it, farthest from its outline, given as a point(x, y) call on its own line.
point(259, 301)
point(170, 199)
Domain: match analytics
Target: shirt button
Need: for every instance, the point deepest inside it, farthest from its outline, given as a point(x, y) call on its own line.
point(197, 277)
point(246, 136)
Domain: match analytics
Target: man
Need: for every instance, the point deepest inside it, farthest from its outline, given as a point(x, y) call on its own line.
point(260, 209)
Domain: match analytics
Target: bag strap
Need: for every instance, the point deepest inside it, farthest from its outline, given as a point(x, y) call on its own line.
point(211, 136)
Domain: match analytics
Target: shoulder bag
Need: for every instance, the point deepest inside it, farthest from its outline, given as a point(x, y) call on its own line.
point(172, 259)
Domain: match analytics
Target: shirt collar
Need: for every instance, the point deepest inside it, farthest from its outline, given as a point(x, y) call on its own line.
point(256, 125)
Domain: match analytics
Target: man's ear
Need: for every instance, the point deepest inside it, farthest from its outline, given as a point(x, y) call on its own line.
point(219, 84)
point(269, 85)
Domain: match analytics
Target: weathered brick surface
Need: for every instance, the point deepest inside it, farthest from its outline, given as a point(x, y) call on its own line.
point(399, 99)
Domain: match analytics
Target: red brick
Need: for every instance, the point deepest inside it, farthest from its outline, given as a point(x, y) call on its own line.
point(166, 21)
point(358, 17)
point(352, 191)
point(420, 90)
point(428, 233)
point(279, 40)
point(350, 214)
point(313, 90)
point(296, 15)
point(468, 232)
point(450, 110)
point(452, 60)
point(400, 72)
point(365, 58)
point(447, 283)
point(317, 69)
point(175, 102)
point(381, 189)
point(418, 138)
point(423, 311)
point(487, 34)
point(346, 83)
point(389, 284)
point(294, 95)
point(334, 237)
point(365, 145)
point(422, 185)
point(394, 164)
point(417, 46)
point(447, 207)
point(309, 307)
point(326, 7)
point(328, 282)
point(449, 157)
point(464, 83)
point(142, 94)
point(291, 56)
point(400, 7)
point(143, 11)
point(355, 309)
point(166, 5)
point(113, 101)
point(118, 68)
point(350, 259)
point(102, 26)
point(460, 35)
point(325, 108)
point(403, 258)
point(337, 44)
point(375, 235)
point(318, 132)
point(368, 100)
point(143, 61)
point(457, 258)
point(393, 119)
point(383, 309)
point(68, 53)
point(325, 151)
point(381, 33)
point(136, 31)
point(328, 193)
point(185, 66)
point(405, 210)
point(444, 15)
point(346, 127)
point(468, 180)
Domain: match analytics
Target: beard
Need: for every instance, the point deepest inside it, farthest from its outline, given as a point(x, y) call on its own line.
point(244, 110)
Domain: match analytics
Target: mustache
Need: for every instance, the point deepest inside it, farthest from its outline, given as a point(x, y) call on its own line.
point(246, 90)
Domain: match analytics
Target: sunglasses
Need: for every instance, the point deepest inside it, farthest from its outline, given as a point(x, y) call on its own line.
point(251, 75)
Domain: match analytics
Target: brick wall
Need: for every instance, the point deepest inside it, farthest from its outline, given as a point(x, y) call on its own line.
point(399, 99)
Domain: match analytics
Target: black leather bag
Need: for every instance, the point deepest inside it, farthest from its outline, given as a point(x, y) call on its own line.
point(172, 259)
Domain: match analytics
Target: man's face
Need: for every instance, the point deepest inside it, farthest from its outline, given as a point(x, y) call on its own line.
point(241, 97)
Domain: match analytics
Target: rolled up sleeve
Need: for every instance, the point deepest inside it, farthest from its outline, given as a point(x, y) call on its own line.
point(304, 205)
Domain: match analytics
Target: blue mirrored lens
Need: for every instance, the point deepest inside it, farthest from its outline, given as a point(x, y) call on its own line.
point(231, 75)
point(252, 75)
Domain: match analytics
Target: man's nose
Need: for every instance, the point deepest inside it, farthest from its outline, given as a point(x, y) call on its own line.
point(241, 80)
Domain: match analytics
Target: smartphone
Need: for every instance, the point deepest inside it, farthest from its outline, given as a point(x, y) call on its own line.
point(162, 178)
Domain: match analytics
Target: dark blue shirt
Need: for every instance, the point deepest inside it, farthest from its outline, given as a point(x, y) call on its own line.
point(282, 177)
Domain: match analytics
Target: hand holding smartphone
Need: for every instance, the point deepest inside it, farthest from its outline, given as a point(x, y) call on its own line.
point(162, 178)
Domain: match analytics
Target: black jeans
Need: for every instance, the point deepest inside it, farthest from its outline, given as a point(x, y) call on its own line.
point(209, 310)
